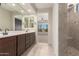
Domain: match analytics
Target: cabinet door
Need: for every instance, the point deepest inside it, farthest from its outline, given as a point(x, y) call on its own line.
point(8, 46)
point(34, 37)
point(21, 44)
point(27, 41)
point(12, 46)
point(30, 39)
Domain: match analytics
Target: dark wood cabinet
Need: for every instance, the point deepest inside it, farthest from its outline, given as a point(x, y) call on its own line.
point(8, 46)
point(20, 44)
point(30, 39)
point(27, 41)
point(16, 45)
point(33, 37)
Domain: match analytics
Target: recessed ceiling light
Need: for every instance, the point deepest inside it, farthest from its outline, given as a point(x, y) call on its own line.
point(29, 10)
point(13, 4)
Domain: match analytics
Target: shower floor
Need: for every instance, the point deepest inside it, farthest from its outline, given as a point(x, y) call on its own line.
point(71, 51)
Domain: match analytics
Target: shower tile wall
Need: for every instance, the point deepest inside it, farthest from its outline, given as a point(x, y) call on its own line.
point(63, 28)
point(73, 18)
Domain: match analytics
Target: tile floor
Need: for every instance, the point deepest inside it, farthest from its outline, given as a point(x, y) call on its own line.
point(71, 51)
point(39, 49)
point(43, 49)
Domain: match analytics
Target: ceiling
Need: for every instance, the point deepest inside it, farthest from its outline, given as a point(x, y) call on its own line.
point(25, 8)
point(43, 5)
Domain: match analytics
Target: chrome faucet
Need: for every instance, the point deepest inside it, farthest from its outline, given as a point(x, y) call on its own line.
point(5, 33)
point(0, 29)
point(6, 30)
point(27, 30)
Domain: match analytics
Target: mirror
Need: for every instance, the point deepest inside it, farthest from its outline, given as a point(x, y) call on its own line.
point(31, 22)
point(28, 22)
point(43, 22)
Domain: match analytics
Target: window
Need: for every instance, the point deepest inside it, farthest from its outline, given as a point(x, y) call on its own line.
point(43, 22)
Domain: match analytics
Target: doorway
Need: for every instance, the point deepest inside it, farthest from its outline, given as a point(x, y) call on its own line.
point(42, 27)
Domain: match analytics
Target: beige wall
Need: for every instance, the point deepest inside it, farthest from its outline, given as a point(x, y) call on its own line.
point(55, 28)
point(46, 38)
point(5, 19)
point(73, 18)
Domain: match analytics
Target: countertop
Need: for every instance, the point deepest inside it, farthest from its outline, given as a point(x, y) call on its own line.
point(14, 33)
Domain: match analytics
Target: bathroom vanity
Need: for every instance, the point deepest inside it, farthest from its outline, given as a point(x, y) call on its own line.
point(17, 43)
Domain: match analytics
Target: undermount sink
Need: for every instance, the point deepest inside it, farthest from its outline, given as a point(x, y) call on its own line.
point(2, 34)
point(5, 33)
